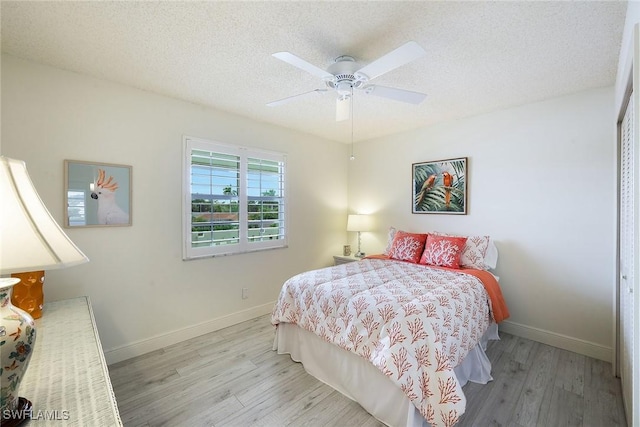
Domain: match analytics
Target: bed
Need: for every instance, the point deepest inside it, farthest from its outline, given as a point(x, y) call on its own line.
point(399, 337)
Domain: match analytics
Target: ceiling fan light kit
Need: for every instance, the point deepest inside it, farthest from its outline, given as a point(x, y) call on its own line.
point(343, 76)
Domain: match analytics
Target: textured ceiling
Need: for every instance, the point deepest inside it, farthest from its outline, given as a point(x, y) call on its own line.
point(481, 56)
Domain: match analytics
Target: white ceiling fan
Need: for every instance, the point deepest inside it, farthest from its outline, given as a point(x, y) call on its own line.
point(345, 75)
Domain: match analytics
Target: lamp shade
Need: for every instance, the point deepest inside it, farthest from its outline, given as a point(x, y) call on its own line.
point(359, 223)
point(30, 239)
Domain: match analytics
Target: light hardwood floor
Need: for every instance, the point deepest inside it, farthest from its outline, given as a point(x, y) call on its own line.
point(232, 378)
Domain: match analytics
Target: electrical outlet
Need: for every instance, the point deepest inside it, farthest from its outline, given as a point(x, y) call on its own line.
point(245, 293)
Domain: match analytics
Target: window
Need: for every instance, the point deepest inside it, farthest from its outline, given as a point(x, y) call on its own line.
point(76, 207)
point(234, 199)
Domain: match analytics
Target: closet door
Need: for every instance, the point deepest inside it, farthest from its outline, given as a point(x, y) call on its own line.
point(627, 252)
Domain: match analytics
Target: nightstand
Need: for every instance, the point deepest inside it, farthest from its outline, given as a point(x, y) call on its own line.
point(341, 259)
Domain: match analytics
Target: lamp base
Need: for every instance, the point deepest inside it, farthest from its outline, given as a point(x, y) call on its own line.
point(19, 415)
point(360, 254)
point(27, 294)
point(17, 338)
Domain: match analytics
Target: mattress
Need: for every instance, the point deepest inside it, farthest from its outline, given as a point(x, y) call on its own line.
point(360, 381)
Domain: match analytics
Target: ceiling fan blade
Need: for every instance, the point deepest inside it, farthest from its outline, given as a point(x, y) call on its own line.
point(343, 109)
point(294, 97)
point(296, 61)
point(395, 94)
point(396, 58)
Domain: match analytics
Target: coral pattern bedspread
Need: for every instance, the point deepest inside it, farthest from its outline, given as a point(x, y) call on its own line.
point(413, 322)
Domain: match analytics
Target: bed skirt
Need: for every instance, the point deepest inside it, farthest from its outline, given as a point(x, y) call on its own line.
point(359, 380)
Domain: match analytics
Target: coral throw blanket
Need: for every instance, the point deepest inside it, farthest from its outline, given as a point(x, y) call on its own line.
point(413, 322)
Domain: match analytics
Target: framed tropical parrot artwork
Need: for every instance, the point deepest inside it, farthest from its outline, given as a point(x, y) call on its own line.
point(440, 187)
point(96, 194)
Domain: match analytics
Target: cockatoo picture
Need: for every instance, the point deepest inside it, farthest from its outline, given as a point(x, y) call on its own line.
point(105, 193)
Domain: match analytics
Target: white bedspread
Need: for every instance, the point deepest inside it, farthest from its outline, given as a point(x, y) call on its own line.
point(412, 322)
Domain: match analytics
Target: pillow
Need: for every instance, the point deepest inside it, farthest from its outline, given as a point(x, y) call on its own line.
point(443, 251)
point(491, 257)
point(391, 235)
point(407, 246)
point(475, 250)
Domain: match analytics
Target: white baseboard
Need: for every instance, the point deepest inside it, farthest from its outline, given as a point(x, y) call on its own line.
point(139, 348)
point(565, 342)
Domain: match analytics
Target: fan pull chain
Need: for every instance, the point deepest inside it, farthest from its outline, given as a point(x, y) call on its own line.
point(351, 106)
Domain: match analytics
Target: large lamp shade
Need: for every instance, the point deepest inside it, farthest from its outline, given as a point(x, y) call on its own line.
point(30, 239)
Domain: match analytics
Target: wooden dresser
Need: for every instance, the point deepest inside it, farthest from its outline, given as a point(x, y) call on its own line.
point(67, 379)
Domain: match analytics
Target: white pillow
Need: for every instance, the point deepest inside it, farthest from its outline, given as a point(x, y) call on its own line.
point(491, 257)
point(391, 235)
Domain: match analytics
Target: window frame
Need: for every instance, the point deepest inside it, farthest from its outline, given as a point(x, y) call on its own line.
point(244, 245)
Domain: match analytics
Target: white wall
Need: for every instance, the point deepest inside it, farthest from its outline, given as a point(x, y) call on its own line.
point(540, 183)
point(144, 296)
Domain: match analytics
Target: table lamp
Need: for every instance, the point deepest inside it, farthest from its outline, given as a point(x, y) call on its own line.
point(359, 223)
point(30, 239)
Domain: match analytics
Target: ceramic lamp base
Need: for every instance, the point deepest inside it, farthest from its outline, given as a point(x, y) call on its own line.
point(17, 339)
point(17, 416)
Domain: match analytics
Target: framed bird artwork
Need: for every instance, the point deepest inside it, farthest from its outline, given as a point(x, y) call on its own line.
point(97, 194)
point(440, 187)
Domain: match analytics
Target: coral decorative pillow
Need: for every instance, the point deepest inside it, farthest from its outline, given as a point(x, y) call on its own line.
point(407, 246)
point(474, 251)
point(443, 251)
